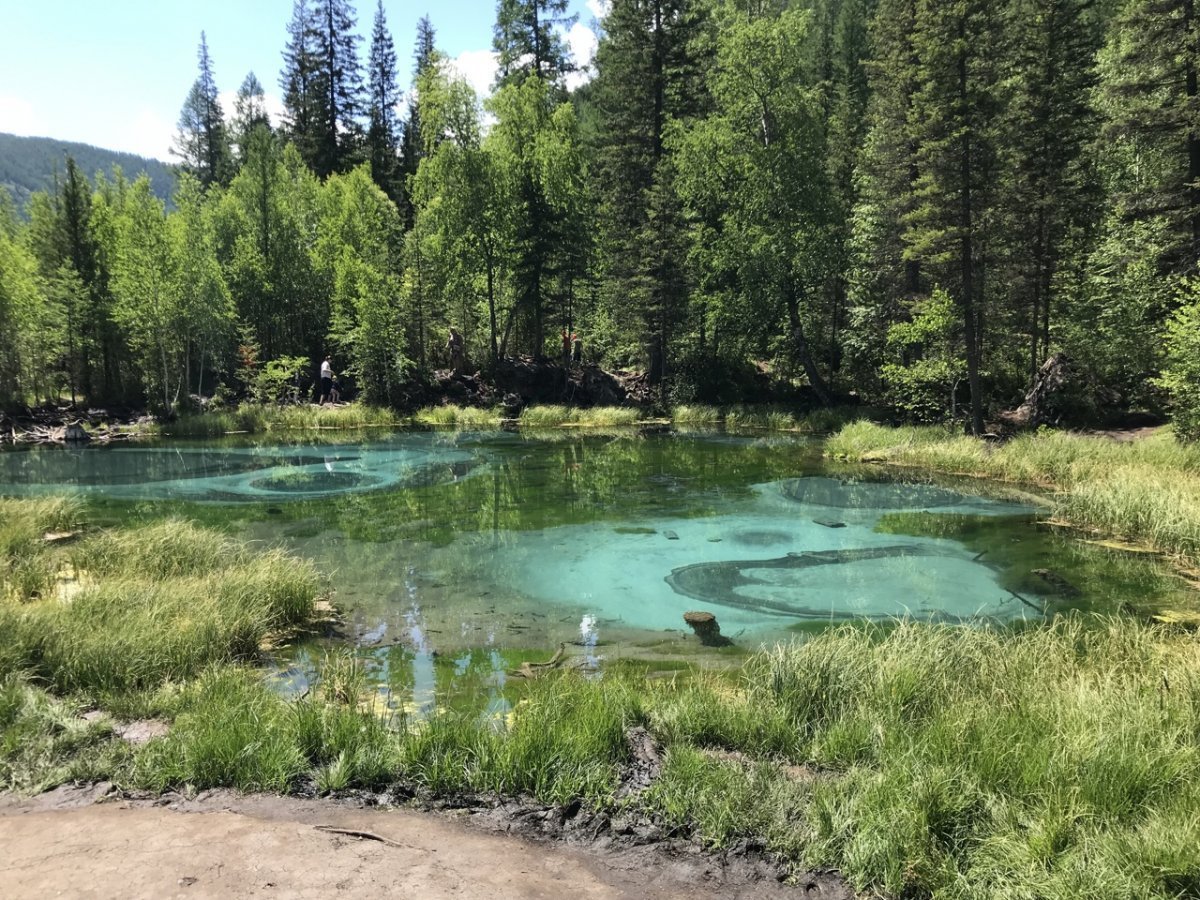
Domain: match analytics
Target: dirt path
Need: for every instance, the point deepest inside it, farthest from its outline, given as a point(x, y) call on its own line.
point(262, 846)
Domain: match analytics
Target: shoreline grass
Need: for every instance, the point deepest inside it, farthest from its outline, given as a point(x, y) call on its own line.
point(1146, 491)
point(259, 418)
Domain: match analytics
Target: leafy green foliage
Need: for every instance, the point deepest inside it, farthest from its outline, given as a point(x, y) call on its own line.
point(1181, 372)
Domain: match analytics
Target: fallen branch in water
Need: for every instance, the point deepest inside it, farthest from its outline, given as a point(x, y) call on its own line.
point(533, 670)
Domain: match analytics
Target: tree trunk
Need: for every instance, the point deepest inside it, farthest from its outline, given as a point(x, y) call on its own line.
point(803, 350)
point(966, 223)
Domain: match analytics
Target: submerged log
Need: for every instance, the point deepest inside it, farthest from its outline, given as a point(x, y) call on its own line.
point(533, 670)
point(704, 624)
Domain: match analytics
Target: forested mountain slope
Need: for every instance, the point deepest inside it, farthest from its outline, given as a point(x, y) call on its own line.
point(29, 164)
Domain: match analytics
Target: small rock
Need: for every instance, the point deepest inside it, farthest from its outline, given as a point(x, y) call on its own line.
point(670, 535)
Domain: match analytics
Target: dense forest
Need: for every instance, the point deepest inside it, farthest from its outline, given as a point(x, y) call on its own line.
point(29, 164)
point(907, 202)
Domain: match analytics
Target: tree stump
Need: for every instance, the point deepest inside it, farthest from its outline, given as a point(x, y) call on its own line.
point(1039, 406)
point(75, 434)
point(704, 624)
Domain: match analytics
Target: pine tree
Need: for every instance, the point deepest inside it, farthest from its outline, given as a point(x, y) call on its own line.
point(647, 78)
point(956, 117)
point(249, 113)
point(528, 41)
point(201, 142)
point(383, 151)
point(337, 88)
point(1048, 188)
point(411, 142)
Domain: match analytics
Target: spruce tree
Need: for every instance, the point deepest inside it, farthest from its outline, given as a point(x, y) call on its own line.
point(383, 138)
point(881, 281)
point(1151, 96)
point(298, 81)
point(646, 79)
point(411, 144)
point(956, 119)
point(1049, 196)
point(527, 40)
point(201, 142)
point(338, 88)
point(249, 113)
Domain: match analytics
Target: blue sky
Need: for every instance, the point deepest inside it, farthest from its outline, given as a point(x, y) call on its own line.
point(115, 73)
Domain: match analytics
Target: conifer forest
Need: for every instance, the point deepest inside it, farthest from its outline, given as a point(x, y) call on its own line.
point(908, 203)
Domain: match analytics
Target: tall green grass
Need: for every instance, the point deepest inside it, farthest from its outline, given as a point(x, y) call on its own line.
point(27, 567)
point(1057, 762)
point(766, 418)
point(257, 418)
point(599, 416)
point(1147, 490)
point(44, 741)
point(459, 417)
point(155, 604)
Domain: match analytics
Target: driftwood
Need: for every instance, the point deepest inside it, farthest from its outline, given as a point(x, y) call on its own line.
point(363, 835)
point(704, 624)
point(71, 435)
point(1038, 406)
point(533, 670)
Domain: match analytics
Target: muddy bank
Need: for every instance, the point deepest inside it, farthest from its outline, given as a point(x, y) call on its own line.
point(224, 844)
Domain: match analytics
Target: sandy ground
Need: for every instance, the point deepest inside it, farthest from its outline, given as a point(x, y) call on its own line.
point(262, 846)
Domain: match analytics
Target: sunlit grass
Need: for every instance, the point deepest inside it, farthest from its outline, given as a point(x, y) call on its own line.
point(459, 417)
point(1147, 490)
point(935, 759)
point(598, 416)
point(27, 570)
point(257, 418)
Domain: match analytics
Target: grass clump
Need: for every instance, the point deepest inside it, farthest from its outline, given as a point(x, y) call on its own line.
point(459, 417)
point(599, 416)
point(27, 568)
point(232, 732)
point(695, 414)
point(151, 605)
point(779, 418)
point(255, 418)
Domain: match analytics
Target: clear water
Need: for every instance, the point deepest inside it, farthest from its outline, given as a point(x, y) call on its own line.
point(454, 556)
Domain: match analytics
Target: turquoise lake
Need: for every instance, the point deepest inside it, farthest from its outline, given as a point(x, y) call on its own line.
point(452, 556)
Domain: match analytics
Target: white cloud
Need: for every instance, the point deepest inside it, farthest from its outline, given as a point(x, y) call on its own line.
point(147, 134)
point(479, 68)
point(599, 8)
point(18, 116)
point(583, 43)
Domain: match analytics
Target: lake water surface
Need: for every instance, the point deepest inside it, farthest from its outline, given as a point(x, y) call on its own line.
point(455, 555)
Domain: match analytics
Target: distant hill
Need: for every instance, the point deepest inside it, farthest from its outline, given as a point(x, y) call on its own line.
point(28, 164)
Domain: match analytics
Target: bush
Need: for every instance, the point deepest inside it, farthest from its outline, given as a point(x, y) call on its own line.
point(1181, 374)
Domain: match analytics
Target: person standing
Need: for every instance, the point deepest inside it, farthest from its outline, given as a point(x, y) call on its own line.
point(326, 382)
point(457, 348)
